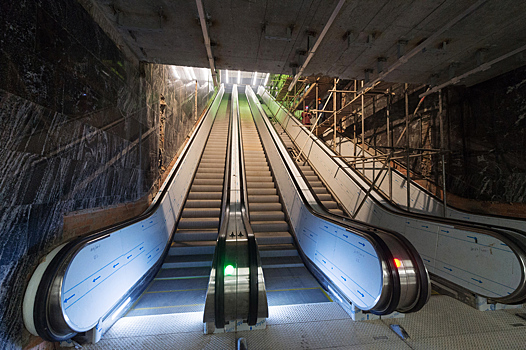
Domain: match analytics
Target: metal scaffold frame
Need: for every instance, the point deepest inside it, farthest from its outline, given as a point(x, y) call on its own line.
point(333, 124)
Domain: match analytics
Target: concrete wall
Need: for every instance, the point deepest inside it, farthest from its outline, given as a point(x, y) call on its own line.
point(484, 128)
point(79, 129)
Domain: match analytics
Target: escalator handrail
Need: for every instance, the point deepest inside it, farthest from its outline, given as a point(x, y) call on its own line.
point(56, 269)
point(410, 249)
point(219, 253)
point(383, 252)
point(327, 151)
point(252, 244)
point(439, 200)
point(517, 246)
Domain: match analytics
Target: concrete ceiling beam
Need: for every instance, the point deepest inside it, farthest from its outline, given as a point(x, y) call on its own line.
point(204, 27)
point(421, 47)
point(482, 67)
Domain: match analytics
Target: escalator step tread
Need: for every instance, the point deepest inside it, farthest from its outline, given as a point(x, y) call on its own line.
point(264, 206)
point(330, 204)
point(184, 272)
point(281, 262)
point(278, 237)
point(205, 195)
point(201, 212)
point(181, 261)
point(192, 247)
point(263, 199)
point(267, 215)
point(194, 236)
point(285, 246)
point(266, 226)
point(210, 203)
point(260, 185)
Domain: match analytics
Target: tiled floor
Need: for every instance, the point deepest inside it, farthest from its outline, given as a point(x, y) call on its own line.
point(443, 323)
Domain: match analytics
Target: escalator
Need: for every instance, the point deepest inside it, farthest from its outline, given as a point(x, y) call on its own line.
point(82, 287)
point(287, 279)
point(232, 227)
point(471, 258)
point(308, 251)
point(421, 200)
point(181, 283)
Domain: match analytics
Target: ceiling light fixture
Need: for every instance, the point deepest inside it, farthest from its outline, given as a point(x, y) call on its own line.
point(266, 79)
point(174, 71)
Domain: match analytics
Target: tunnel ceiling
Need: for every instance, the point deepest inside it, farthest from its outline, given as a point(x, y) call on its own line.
point(366, 36)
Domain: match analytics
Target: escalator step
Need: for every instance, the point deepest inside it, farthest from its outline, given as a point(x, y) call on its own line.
point(259, 179)
point(198, 223)
point(263, 199)
point(258, 173)
point(192, 248)
point(330, 204)
point(203, 203)
point(312, 178)
point(267, 216)
point(261, 191)
point(184, 272)
point(260, 185)
point(201, 212)
point(281, 262)
point(324, 197)
point(320, 190)
point(206, 188)
point(209, 175)
point(217, 181)
point(205, 195)
point(337, 212)
point(269, 226)
point(211, 170)
point(195, 235)
point(179, 261)
point(264, 206)
point(264, 238)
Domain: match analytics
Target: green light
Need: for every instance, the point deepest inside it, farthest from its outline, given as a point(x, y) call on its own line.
point(229, 270)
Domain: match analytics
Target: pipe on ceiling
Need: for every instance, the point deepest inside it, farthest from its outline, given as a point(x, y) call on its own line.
point(420, 48)
point(202, 19)
point(480, 68)
point(318, 42)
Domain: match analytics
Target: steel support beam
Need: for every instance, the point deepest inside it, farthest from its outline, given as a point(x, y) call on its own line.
point(420, 48)
point(317, 43)
point(480, 68)
point(204, 27)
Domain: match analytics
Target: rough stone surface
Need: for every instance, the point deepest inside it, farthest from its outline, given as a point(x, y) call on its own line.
point(484, 130)
point(79, 129)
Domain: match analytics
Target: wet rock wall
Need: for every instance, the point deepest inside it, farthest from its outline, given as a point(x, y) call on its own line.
point(484, 132)
point(79, 129)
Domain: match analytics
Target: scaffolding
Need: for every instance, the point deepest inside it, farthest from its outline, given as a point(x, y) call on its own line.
point(354, 111)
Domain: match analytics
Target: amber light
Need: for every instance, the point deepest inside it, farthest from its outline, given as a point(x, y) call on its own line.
point(398, 263)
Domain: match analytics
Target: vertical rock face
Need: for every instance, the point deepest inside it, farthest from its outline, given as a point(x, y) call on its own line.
point(489, 161)
point(79, 128)
point(484, 132)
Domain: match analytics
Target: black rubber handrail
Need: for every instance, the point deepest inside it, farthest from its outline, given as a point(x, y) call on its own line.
point(517, 246)
point(383, 251)
point(252, 244)
point(415, 256)
point(58, 265)
point(431, 194)
point(219, 254)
